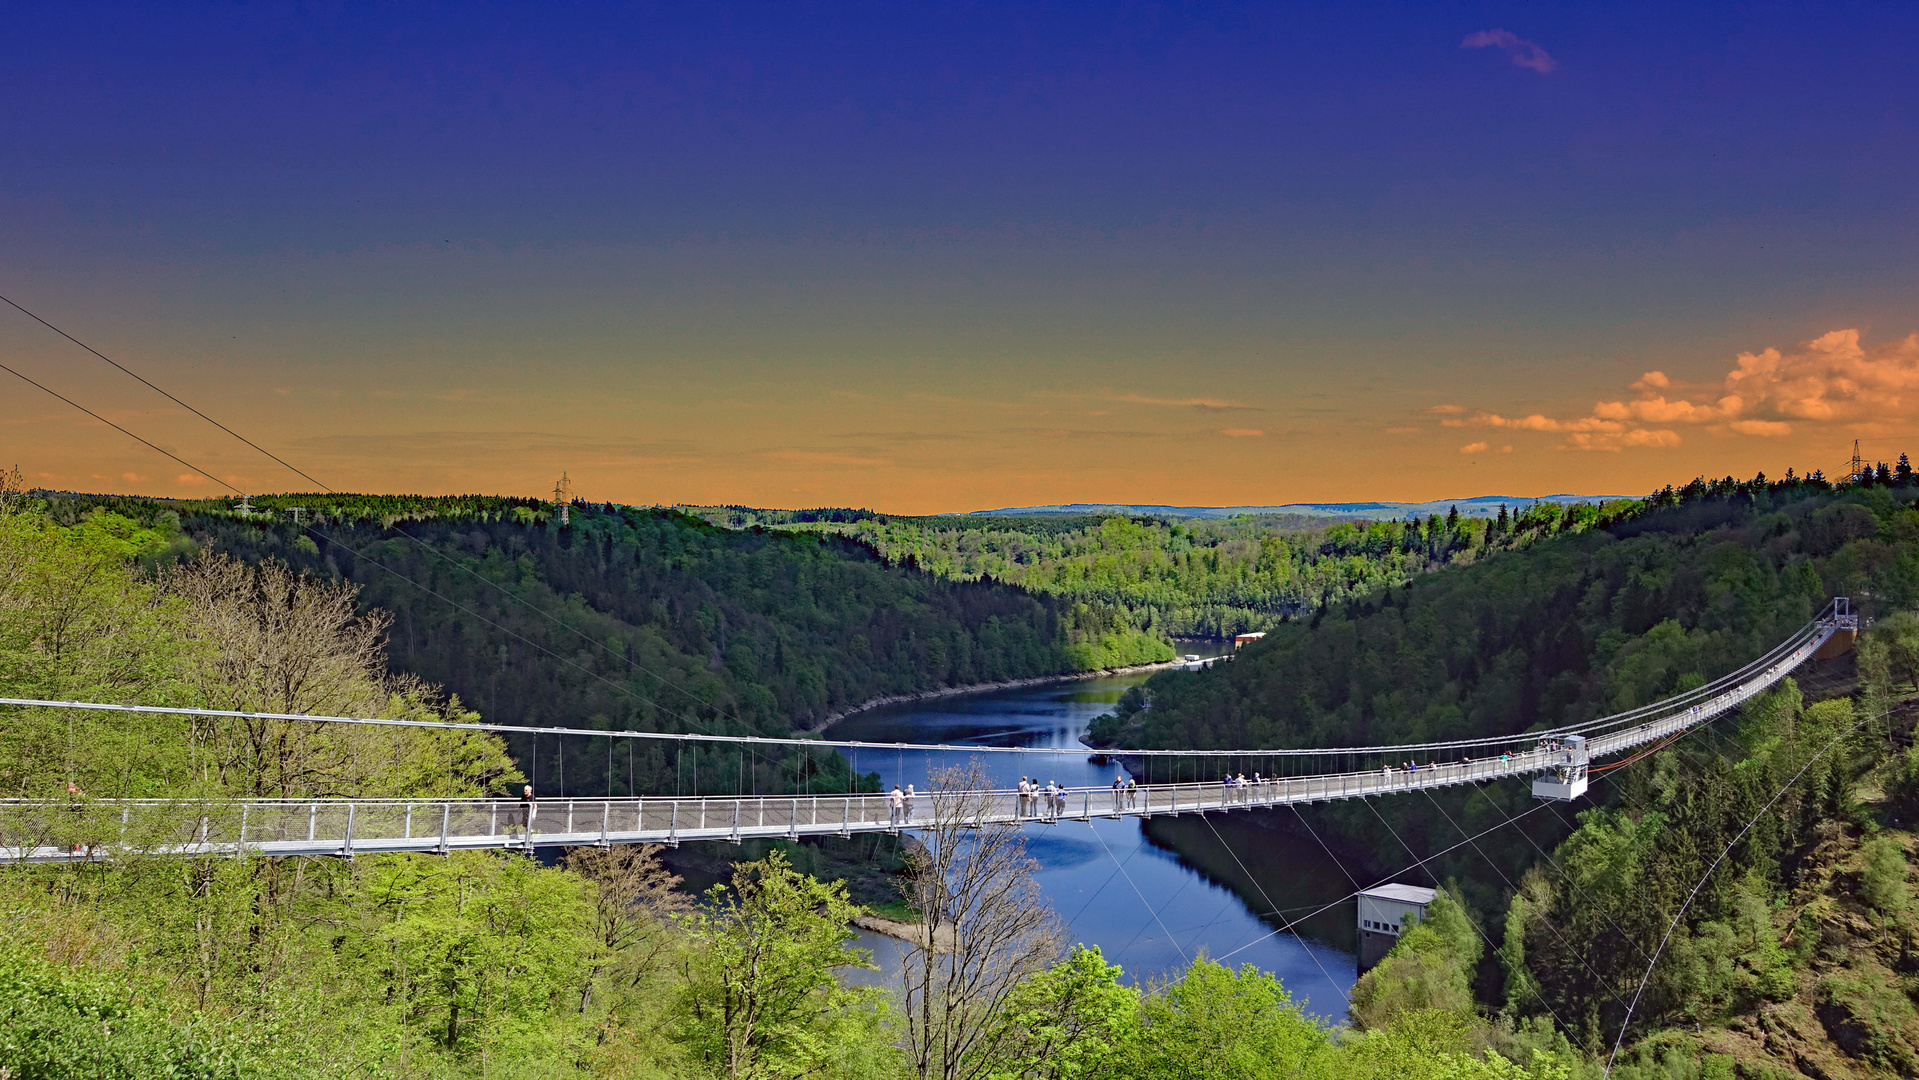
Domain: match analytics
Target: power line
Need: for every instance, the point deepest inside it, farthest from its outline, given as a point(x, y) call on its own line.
point(1700, 692)
point(156, 390)
point(396, 528)
point(118, 428)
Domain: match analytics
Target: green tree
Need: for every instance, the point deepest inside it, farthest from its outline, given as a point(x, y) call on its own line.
point(1429, 968)
point(478, 942)
point(1217, 1024)
point(761, 997)
point(1074, 1021)
point(1882, 880)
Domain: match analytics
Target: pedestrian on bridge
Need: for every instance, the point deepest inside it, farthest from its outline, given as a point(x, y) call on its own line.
point(896, 802)
point(1119, 789)
point(909, 802)
point(527, 810)
point(1132, 793)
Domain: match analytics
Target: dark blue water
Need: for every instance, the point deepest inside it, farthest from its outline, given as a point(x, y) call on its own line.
point(1147, 906)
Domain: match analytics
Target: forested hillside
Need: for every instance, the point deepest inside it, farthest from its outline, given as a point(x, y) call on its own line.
point(1595, 620)
point(1182, 577)
point(648, 620)
point(1788, 954)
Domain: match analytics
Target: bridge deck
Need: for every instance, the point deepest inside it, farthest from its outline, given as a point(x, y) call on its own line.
point(58, 831)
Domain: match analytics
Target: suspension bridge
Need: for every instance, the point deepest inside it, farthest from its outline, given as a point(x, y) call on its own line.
point(1559, 761)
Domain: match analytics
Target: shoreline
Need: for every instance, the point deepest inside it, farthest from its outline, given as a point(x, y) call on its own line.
point(981, 688)
point(911, 933)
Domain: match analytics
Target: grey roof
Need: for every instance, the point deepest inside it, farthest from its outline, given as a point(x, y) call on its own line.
point(1405, 894)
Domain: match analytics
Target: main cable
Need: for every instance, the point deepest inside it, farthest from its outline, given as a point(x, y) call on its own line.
point(1142, 898)
point(1515, 890)
point(1707, 876)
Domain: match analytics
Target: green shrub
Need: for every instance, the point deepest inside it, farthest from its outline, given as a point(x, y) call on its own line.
point(55, 1025)
point(1883, 881)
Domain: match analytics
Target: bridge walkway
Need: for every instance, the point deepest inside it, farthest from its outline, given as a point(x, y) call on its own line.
point(68, 830)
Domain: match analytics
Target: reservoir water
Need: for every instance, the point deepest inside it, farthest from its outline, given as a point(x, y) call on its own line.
point(1151, 894)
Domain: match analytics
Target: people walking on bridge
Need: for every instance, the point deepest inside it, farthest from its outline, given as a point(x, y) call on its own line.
point(528, 807)
point(909, 802)
point(1132, 793)
point(75, 797)
point(896, 803)
point(1025, 798)
point(1119, 791)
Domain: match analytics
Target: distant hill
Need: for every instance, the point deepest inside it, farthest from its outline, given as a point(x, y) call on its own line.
point(1484, 506)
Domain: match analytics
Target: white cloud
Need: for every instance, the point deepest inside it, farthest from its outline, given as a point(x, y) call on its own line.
point(1832, 379)
point(1522, 52)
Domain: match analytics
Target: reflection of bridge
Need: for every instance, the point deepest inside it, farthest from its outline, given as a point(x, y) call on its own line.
point(62, 830)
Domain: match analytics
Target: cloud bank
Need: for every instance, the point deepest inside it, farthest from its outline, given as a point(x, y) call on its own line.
point(1523, 53)
point(1832, 379)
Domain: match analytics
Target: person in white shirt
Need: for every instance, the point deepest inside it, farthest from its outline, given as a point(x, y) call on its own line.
point(909, 802)
point(897, 801)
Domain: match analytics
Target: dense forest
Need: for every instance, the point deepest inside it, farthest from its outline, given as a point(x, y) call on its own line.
point(640, 619)
point(1597, 620)
point(1184, 577)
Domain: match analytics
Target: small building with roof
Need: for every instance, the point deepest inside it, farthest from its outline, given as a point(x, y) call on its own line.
point(1385, 912)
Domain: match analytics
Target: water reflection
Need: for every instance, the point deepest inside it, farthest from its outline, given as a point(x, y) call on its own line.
point(1152, 895)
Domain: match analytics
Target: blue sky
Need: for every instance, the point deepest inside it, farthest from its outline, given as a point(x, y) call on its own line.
point(950, 257)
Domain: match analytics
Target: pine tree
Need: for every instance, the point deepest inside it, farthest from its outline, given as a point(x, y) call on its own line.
point(1902, 472)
